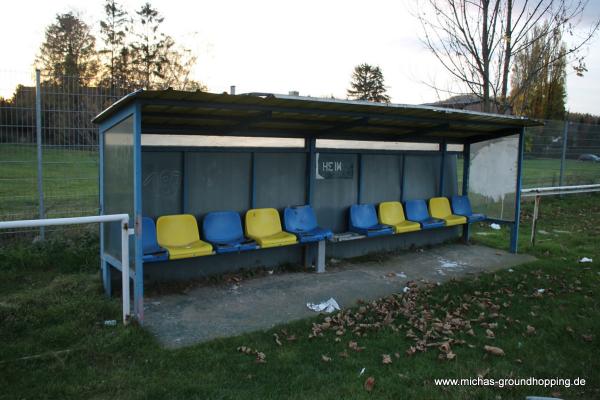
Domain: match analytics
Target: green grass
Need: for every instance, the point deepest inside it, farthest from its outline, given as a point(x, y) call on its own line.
point(51, 300)
point(70, 181)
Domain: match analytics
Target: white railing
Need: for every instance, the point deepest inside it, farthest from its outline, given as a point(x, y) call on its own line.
point(537, 193)
point(125, 232)
point(555, 190)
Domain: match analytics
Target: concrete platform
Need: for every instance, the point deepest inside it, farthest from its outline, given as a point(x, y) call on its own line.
point(208, 312)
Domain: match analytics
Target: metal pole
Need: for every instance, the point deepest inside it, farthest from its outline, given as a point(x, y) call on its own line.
point(360, 172)
point(125, 270)
point(311, 167)
point(536, 210)
point(514, 234)
point(465, 185)
point(38, 128)
point(443, 149)
point(563, 153)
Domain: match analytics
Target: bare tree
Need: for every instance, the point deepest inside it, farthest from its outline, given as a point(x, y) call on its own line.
point(476, 40)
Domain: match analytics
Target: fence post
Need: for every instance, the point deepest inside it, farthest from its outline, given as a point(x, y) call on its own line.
point(38, 128)
point(563, 153)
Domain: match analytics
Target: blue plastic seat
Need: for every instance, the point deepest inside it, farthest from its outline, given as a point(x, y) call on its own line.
point(416, 210)
point(363, 220)
point(152, 251)
point(223, 229)
point(301, 221)
point(462, 206)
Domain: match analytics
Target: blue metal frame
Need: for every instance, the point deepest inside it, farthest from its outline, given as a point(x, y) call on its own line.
point(465, 186)
point(183, 184)
point(252, 181)
point(402, 178)
point(138, 289)
point(105, 260)
point(514, 234)
point(443, 149)
point(311, 166)
point(360, 179)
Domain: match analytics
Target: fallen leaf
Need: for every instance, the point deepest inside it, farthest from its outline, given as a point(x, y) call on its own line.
point(276, 337)
point(386, 359)
point(261, 357)
point(325, 358)
point(489, 334)
point(291, 338)
point(343, 354)
point(497, 351)
point(587, 338)
point(530, 330)
point(369, 384)
point(411, 350)
point(354, 346)
point(445, 347)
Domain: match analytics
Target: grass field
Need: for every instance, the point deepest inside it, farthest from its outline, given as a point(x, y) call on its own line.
point(55, 345)
point(71, 180)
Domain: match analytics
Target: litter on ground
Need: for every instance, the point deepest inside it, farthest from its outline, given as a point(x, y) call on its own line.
point(495, 226)
point(328, 306)
point(585, 260)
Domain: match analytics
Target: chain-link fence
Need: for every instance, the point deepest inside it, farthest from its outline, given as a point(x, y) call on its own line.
point(562, 154)
point(49, 146)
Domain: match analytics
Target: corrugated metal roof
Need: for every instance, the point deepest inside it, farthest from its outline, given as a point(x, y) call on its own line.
point(179, 112)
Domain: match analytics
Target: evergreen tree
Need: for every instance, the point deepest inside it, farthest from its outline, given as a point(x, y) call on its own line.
point(114, 28)
point(367, 84)
point(150, 49)
point(157, 62)
point(69, 50)
point(539, 77)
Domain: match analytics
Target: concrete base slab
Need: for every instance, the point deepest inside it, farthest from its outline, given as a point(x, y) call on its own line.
point(209, 312)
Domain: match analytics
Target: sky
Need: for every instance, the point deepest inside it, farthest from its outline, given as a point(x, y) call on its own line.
point(278, 46)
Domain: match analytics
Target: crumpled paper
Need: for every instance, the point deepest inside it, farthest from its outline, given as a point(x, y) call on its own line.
point(328, 306)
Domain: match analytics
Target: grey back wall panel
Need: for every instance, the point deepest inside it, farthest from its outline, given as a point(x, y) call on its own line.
point(381, 177)
point(161, 183)
point(280, 179)
point(217, 181)
point(421, 177)
point(451, 176)
point(333, 197)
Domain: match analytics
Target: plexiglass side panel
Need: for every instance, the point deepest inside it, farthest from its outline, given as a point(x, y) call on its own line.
point(493, 177)
point(118, 184)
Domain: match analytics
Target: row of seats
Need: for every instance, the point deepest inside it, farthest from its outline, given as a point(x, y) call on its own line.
point(177, 236)
point(392, 218)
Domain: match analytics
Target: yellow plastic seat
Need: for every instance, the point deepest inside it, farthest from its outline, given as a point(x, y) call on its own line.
point(263, 225)
point(179, 235)
point(392, 213)
point(439, 207)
